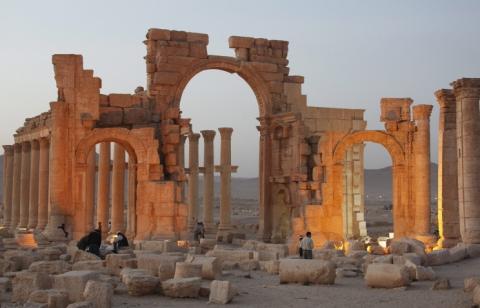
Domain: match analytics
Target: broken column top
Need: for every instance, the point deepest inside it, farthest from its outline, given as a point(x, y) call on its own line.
point(395, 109)
point(466, 87)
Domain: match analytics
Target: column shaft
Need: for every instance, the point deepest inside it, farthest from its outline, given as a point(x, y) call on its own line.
point(33, 194)
point(208, 192)
point(7, 185)
point(17, 171)
point(193, 180)
point(90, 190)
point(118, 188)
point(25, 185)
point(103, 201)
point(132, 198)
point(43, 184)
point(225, 178)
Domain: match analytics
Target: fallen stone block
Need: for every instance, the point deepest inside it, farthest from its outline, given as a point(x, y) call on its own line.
point(74, 283)
point(441, 284)
point(307, 271)
point(470, 283)
point(382, 275)
point(52, 297)
point(152, 263)
point(99, 293)
point(438, 257)
point(248, 265)
point(130, 271)
point(81, 255)
point(26, 282)
point(187, 270)
point(51, 253)
point(182, 287)
point(424, 273)
point(237, 255)
point(114, 262)
point(141, 284)
point(221, 292)
point(83, 304)
point(272, 267)
point(326, 254)
point(207, 244)
point(50, 267)
point(211, 266)
point(92, 265)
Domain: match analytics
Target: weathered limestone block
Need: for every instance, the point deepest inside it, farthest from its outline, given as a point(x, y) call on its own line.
point(207, 244)
point(21, 259)
point(51, 253)
point(265, 255)
point(152, 263)
point(158, 34)
point(139, 284)
point(381, 275)
point(6, 266)
point(404, 245)
point(476, 295)
point(122, 100)
point(211, 266)
point(53, 298)
point(470, 283)
point(83, 304)
point(272, 266)
point(90, 265)
point(110, 116)
point(273, 249)
point(221, 292)
point(240, 42)
point(50, 267)
point(182, 287)
point(237, 255)
point(116, 262)
point(438, 257)
point(248, 265)
point(307, 271)
point(74, 283)
point(126, 272)
point(136, 116)
point(26, 282)
point(441, 284)
point(457, 253)
point(187, 270)
point(81, 255)
point(424, 273)
point(326, 254)
point(99, 293)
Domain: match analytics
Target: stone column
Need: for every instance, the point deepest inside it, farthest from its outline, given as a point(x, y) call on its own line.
point(7, 185)
point(16, 185)
point(421, 150)
point(467, 93)
point(192, 180)
point(90, 190)
point(225, 170)
point(25, 185)
point(181, 161)
point(33, 194)
point(43, 184)
point(132, 197)
point(208, 192)
point(118, 188)
point(103, 201)
point(447, 202)
point(265, 168)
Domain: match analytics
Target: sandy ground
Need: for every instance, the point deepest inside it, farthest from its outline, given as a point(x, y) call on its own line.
point(264, 290)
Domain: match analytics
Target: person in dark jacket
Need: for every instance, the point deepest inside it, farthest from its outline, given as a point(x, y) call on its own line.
point(94, 242)
point(120, 241)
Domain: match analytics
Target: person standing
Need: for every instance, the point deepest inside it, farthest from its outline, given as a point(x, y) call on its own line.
point(300, 250)
point(307, 246)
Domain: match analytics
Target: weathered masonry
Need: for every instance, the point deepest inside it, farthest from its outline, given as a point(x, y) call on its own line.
point(311, 158)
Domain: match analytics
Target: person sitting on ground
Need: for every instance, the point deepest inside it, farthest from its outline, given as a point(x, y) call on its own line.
point(119, 241)
point(307, 246)
point(300, 250)
point(199, 231)
point(94, 242)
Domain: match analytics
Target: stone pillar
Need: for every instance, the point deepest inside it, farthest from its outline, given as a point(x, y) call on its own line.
point(43, 184)
point(467, 93)
point(118, 188)
point(7, 185)
point(132, 198)
point(265, 168)
point(225, 170)
point(90, 190)
point(192, 180)
point(34, 178)
point(103, 201)
point(421, 150)
point(16, 184)
point(208, 192)
point(25, 185)
point(447, 202)
point(181, 161)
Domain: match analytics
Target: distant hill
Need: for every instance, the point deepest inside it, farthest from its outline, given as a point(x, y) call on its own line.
point(378, 184)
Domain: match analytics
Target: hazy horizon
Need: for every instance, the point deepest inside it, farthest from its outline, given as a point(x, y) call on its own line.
point(351, 53)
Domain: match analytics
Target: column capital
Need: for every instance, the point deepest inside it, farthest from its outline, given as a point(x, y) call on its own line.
point(225, 132)
point(208, 135)
point(26, 146)
point(445, 98)
point(8, 149)
point(466, 87)
point(422, 112)
point(193, 137)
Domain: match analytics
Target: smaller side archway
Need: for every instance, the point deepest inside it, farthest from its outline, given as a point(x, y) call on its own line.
point(399, 175)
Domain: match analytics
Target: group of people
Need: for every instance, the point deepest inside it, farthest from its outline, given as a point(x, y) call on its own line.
point(93, 240)
point(305, 246)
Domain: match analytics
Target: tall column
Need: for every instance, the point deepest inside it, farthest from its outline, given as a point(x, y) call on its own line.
point(226, 170)
point(33, 194)
point(118, 188)
point(7, 185)
point(103, 201)
point(447, 202)
point(421, 149)
point(132, 197)
point(25, 185)
point(181, 161)
point(192, 180)
point(265, 167)
point(17, 171)
point(43, 184)
point(90, 190)
point(208, 160)
point(467, 93)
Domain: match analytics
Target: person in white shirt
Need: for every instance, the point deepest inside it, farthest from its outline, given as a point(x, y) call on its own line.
point(307, 246)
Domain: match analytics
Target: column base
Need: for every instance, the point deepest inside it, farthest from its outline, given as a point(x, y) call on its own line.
point(52, 231)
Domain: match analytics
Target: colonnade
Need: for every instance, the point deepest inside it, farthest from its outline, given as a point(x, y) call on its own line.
point(25, 184)
point(225, 169)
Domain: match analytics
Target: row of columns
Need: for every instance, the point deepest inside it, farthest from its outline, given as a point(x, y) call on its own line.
point(225, 168)
point(25, 184)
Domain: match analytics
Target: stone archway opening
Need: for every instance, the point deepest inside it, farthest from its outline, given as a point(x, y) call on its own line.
point(213, 112)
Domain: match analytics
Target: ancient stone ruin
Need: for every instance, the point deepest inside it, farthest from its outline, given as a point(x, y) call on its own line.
point(310, 179)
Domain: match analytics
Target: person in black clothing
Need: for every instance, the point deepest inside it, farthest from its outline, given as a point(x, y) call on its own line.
point(120, 241)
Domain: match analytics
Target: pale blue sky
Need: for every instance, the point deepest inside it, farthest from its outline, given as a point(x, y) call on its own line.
point(351, 53)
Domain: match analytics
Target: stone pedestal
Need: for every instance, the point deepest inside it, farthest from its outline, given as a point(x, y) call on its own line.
point(421, 149)
point(118, 189)
point(25, 185)
point(34, 178)
point(43, 184)
point(208, 169)
point(103, 187)
point(7, 185)
point(447, 202)
point(192, 180)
